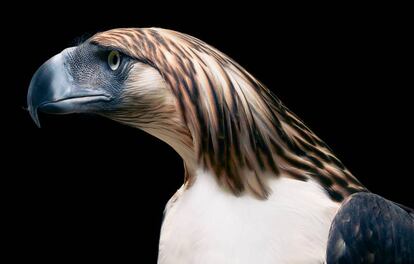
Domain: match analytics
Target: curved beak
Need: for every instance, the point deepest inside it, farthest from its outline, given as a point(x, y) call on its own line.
point(53, 90)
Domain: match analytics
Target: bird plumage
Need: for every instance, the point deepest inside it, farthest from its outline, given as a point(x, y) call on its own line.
point(371, 229)
point(203, 224)
point(239, 128)
point(260, 186)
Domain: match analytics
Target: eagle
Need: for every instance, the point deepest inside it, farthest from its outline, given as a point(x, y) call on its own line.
point(259, 185)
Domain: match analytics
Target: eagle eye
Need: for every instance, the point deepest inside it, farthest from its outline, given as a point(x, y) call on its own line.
point(114, 59)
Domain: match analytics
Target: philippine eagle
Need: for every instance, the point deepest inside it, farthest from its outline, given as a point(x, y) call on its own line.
point(259, 186)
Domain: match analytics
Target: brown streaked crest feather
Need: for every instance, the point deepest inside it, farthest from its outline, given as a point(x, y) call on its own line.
point(240, 130)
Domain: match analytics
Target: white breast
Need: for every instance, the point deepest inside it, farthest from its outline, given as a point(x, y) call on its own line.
point(206, 225)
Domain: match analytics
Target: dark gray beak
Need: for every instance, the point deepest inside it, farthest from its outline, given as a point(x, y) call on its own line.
point(53, 90)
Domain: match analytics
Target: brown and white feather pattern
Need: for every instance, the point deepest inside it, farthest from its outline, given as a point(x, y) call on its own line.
point(238, 128)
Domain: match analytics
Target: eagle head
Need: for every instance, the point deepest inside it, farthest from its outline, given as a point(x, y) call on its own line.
point(214, 113)
point(105, 76)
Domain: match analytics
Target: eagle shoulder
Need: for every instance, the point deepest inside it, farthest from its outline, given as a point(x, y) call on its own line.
point(371, 229)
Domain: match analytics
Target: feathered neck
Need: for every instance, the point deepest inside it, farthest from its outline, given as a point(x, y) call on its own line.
point(239, 129)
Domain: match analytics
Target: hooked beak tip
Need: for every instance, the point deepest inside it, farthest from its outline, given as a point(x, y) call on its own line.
point(35, 116)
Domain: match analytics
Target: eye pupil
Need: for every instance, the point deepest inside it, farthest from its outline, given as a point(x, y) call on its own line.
point(114, 60)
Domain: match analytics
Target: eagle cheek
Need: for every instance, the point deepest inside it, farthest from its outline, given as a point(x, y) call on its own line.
point(145, 100)
point(148, 103)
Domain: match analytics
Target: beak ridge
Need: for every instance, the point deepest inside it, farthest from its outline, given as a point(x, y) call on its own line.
point(46, 85)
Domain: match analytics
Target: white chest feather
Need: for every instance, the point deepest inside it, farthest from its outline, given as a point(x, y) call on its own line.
point(205, 225)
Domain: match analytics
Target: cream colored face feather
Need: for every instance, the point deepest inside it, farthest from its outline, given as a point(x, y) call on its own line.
point(208, 106)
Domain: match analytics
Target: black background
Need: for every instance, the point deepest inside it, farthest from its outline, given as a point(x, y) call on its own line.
point(86, 188)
